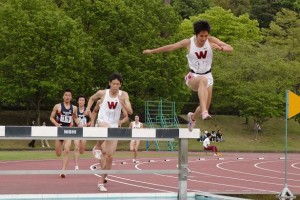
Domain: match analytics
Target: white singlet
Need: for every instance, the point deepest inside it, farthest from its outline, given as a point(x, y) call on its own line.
point(200, 59)
point(134, 125)
point(110, 110)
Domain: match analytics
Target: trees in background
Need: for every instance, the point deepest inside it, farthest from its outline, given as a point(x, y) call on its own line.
point(121, 29)
point(43, 51)
point(46, 47)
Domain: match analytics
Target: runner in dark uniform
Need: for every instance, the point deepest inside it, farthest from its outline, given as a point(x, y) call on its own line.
point(64, 114)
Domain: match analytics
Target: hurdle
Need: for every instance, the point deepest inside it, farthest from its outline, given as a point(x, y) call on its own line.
point(101, 133)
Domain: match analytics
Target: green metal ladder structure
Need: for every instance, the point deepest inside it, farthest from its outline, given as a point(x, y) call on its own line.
point(159, 114)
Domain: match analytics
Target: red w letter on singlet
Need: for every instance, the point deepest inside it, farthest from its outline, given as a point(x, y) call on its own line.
point(112, 105)
point(201, 54)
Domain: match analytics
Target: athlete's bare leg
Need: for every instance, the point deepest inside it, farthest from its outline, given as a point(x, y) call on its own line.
point(76, 152)
point(134, 146)
point(66, 155)
point(110, 149)
point(58, 147)
point(82, 146)
point(199, 84)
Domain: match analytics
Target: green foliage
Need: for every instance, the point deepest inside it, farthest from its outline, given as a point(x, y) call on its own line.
point(187, 8)
point(42, 52)
point(264, 11)
point(291, 4)
point(46, 46)
point(237, 7)
point(225, 25)
point(284, 33)
point(121, 29)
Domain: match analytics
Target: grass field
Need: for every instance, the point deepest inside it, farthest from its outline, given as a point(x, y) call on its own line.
point(239, 137)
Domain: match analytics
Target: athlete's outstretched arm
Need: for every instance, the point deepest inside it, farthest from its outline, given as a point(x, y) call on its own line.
point(219, 45)
point(168, 48)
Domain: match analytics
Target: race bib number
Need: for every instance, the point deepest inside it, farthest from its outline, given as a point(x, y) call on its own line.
point(65, 119)
point(82, 120)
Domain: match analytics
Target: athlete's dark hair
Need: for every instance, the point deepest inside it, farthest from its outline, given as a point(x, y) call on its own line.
point(201, 25)
point(81, 96)
point(115, 76)
point(208, 134)
point(67, 90)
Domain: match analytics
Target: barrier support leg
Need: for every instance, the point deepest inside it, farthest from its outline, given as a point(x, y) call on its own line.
point(183, 168)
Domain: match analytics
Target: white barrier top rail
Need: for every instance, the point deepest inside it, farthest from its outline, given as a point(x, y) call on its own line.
point(95, 133)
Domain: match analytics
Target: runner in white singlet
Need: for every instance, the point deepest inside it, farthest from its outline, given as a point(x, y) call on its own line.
point(199, 57)
point(134, 144)
point(114, 103)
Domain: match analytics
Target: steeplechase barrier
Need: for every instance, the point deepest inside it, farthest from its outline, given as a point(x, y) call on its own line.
point(100, 133)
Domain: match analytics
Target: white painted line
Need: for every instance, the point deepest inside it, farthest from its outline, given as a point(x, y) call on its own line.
point(95, 132)
point(143, 133)
point(44, 131)
point(2, 131)
point(185, 133)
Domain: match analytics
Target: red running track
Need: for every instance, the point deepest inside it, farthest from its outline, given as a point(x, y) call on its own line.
point(252, 174)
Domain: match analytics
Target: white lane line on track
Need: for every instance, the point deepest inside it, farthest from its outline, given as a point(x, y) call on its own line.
point(195, 172)
point(221, 184)
point(240, 172)
point(126, 183)
point(293, 165)
point(240, 179)
point(213, 183)
point(270, 170)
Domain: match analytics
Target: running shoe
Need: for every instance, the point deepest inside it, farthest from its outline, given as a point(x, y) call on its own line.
point(205, 115)
point(101, 187)
point(76, 167)
point(97, 153)
point(191, 123)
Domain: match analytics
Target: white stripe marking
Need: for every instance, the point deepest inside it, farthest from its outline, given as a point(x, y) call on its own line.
point(44, 131)
point(185, 133)
point(2, 131)
point(143, 133)
point(95, 132)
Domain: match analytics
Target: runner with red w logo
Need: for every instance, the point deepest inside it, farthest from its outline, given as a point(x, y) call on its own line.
point(114, 102)
point(199, 55)
point(112, 105)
